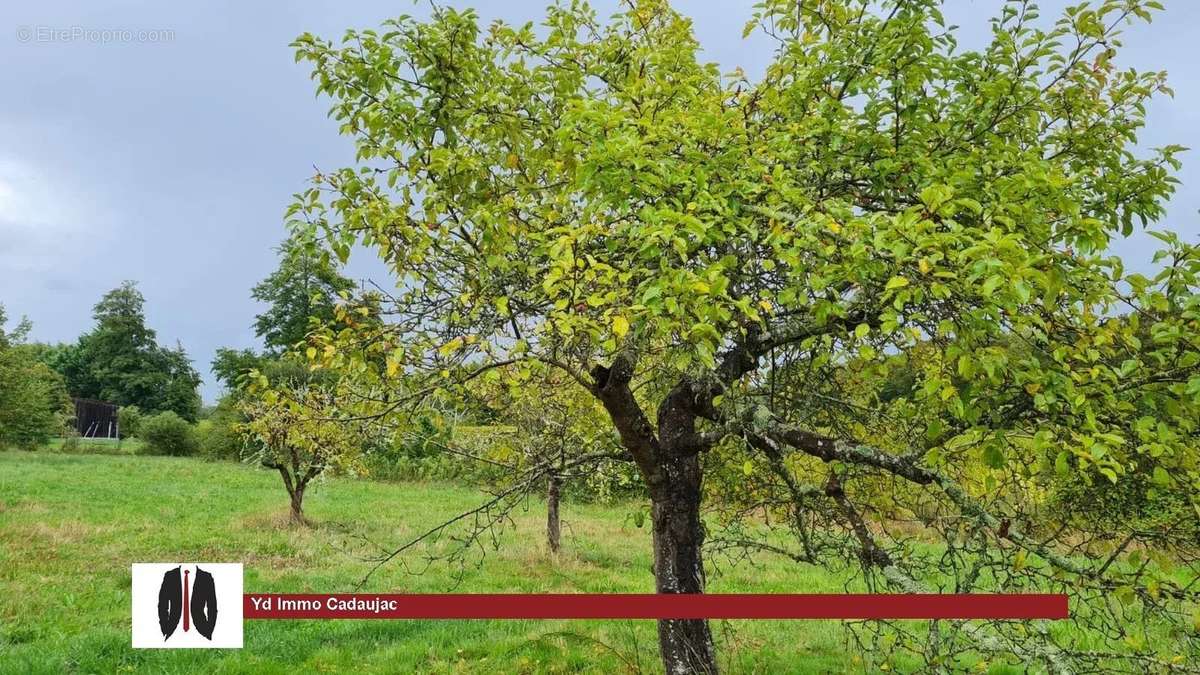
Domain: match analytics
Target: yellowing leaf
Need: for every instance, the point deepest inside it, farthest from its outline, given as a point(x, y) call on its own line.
point(620, 326)
point(450, 346)
point(512, 161)
point(924, 266)
point(748, 467)
point(835, 227)
point(311, 353)
point(392, 367)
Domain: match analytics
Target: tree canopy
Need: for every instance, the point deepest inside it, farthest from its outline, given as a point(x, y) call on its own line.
point(33, 401)
point(120, 360)
point(886, 261)
point(304, 287)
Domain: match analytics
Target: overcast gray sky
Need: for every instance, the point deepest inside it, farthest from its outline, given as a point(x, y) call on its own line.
point(169, 158)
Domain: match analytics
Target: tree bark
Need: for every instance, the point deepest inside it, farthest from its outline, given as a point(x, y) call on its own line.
point(553, 531)
point(670, 465)
point(297, 496)
point(295, 490)
point(686, 645)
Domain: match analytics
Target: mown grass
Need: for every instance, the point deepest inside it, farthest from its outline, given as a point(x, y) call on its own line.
point(70, 525)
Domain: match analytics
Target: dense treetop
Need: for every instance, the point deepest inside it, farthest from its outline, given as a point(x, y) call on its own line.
point(120, 360)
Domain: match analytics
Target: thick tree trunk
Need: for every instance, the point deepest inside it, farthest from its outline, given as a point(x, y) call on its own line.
point(553, 531)
point(670, 465)
point(686, 645)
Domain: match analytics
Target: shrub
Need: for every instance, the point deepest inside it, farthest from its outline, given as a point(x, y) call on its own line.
point(168, 434)
point(218, 434)
point(129, 420)
point(219, 439)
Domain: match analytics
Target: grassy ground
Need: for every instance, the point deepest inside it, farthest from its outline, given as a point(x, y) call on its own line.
point(95, 446)
point(70, 525)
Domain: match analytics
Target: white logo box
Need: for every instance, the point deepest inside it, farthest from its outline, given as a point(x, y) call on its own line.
point(148, 591)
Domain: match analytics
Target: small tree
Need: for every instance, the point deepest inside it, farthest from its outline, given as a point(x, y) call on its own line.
point(293, 427)
point(553, 424)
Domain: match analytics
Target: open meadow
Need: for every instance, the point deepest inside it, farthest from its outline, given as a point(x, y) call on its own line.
point(70, 525)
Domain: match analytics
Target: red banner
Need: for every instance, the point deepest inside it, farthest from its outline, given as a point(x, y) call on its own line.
point(652, 606)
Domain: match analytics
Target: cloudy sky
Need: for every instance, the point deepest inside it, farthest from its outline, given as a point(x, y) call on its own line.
point(169, 158)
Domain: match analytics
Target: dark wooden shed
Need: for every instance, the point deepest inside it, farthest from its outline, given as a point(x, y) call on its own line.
point(95, 419)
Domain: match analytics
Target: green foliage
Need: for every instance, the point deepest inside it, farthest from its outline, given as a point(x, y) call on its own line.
point(33, 401)
point(168, 434)
point(129, 419)
point(1159, 508)
point(871, 209)
point(425, 436)
point(295, 423)
point(443, 467)
point(120, 362)
point(219, 434)
point(743, 264)
point(229, 365)
point(544, 419)
point(305, 288)
point(294, 426)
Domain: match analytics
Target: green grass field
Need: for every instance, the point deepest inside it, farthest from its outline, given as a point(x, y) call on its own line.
point(95, 446)
point(70, 525)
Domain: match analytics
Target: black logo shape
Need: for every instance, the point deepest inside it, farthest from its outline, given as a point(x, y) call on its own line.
point(200, 599)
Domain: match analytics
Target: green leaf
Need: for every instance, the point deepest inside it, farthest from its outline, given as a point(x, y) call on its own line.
point(1161, 477)
point(993, 456)
point(1062, 463)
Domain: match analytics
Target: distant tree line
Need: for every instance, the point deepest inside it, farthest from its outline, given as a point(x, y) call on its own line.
point(121, 362)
